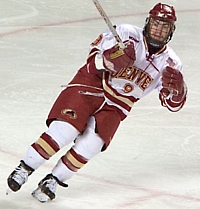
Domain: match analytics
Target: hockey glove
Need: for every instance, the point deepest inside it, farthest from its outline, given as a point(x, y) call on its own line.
point(172, 80)
point(114, 59)
point(174, 91)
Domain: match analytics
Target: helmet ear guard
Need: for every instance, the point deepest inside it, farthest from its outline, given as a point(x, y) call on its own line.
point(164, 13)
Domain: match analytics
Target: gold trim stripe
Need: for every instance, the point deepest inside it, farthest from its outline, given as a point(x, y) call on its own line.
point(46, 146)
point(91, 54)
point(111, 92)
point(116, 54)
point(74, 161)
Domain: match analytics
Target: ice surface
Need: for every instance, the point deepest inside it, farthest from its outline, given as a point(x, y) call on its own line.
point(154, 159)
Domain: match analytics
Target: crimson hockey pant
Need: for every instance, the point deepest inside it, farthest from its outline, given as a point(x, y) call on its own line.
point(80, 117)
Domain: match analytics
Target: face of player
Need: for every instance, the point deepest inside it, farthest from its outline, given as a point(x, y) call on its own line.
point(159, 30)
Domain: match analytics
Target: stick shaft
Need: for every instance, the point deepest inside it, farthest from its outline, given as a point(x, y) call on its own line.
point(109, 24)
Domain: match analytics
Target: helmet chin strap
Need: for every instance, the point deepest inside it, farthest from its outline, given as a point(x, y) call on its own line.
point(154, 43)
point(152, 49)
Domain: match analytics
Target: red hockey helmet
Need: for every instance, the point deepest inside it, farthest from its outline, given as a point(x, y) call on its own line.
point(164, 13)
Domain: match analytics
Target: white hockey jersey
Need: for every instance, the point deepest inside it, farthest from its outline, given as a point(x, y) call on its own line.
point(124, 88)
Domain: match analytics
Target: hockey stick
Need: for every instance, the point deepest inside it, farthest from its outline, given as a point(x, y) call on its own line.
point(109, 24)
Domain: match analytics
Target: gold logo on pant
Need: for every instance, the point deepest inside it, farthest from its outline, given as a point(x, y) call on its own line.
point(71, 113)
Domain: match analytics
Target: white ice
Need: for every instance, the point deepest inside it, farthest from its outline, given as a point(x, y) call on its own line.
point(153, 161)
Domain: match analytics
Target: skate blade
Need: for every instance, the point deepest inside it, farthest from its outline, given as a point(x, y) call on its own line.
point(40, 196)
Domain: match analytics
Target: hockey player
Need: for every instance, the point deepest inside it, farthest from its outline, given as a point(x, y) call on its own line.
point(101, 95)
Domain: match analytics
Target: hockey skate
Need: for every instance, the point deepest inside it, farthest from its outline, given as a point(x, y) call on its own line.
point(46, 188)
point(19, 176)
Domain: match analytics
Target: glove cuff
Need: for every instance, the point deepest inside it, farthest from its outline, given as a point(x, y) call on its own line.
point(99, 62)
point(180, 97)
